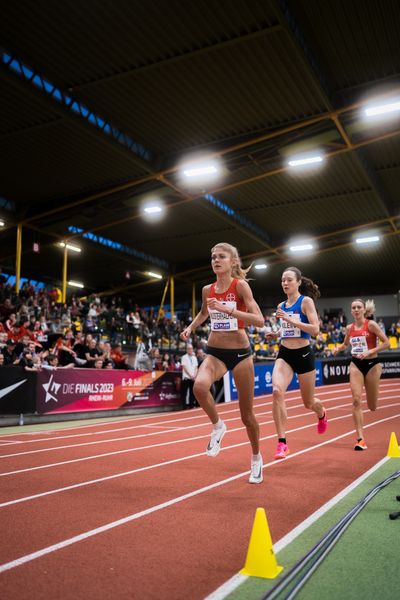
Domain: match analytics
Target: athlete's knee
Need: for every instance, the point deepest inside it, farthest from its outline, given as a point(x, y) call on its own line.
point(248, 419)
point(357, 399)
point(201, 388)
point(308, 403)
point(277, 393)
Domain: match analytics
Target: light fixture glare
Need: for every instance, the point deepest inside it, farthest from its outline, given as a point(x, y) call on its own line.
point(205, 169)
point(382, 109)
point(368, 239)
point(151, 210)
point(70, 247)
point(301, 247)
point(310, 160)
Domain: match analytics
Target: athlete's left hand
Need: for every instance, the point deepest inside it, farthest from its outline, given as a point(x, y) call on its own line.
point(364, 355)
point(281, 314)
point(214, 304)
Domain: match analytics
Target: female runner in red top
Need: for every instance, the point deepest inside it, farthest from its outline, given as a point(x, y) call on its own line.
point(365, 369)
point(230, 305)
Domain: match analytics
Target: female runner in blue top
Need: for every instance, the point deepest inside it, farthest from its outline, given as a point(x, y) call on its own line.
point(299, 320)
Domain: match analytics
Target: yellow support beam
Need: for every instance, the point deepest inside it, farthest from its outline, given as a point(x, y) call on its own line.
point(172, 296)
point(64, 274)
point(18, 258)
point(193, 300)
point(163, 299)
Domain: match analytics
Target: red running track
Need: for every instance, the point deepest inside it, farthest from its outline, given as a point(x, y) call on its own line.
point(135, 509)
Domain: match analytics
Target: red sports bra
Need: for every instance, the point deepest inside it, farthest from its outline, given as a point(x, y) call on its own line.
point(371, 338)
point(230, 295)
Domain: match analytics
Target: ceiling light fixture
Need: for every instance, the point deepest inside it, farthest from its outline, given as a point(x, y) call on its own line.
point(200, 170)
point(372, 239)
point(382, 109)
point(77, 284)
point(155, 275)
point(197, 171)
point(151, 210)
point(301, 247)
point(70, 247)
point(305, 161)
point(261, 267)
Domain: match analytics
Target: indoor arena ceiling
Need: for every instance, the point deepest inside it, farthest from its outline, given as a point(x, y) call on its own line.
point(102, 101)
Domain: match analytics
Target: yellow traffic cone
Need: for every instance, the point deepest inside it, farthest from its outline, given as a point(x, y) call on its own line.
point(393, 450)
point(261, 560)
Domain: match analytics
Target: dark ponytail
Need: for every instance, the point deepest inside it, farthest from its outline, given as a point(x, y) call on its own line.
point(307, 286)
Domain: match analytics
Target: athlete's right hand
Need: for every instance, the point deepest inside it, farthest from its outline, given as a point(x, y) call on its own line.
point(186, 333)
point(272, 335)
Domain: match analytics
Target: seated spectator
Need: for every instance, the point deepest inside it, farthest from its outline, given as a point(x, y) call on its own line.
point(50, 363)
point(119, 359)
point(3, 340)
point(29, 361)
point(108, 364)
point(89, 325)
point(93, 353)
point(166, 362)
point(10, 356)
point(10, 323)
point(156, 360)
point(177, 363)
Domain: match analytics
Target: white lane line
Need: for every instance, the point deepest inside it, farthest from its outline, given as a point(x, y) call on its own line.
point(175, 460)
point(231, 584)
point(207, 424)
point(181, 419)
point(92, 532)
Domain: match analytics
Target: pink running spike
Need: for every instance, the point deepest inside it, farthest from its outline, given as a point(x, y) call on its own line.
point(322, 424)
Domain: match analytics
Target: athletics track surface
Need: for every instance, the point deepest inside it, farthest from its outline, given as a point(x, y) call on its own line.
point(132, 508)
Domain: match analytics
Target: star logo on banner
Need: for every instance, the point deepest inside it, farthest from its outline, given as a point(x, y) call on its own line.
point(51, 387)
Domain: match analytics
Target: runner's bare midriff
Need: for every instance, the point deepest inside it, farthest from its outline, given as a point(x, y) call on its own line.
point(228, 339)
point(295, 343)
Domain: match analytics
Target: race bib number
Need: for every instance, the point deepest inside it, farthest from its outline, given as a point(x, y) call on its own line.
point(222, 321)
point(287, 329)
point(358, 344)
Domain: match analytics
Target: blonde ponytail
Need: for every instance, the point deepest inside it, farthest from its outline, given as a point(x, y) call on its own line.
point(369, 308)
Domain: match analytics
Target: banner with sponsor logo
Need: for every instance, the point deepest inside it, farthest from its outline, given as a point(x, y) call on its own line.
point(263, 380)
point(391, 367)
point(17, 391)
point(76, 390)
point(338, 370)
point(335, 371)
